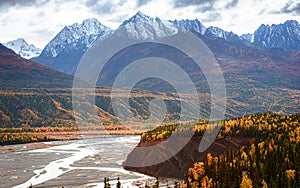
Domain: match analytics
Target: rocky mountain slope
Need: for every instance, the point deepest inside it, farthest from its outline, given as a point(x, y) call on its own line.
point(285, 36)
point(65, 50)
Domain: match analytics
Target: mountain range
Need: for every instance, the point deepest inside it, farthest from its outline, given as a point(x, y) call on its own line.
point(253, 73)
point(260, 74)
point(285, 36)
point(65, 50)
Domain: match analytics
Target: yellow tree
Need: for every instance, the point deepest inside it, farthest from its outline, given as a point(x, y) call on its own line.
point(209, 159)
point(264, 184)
point(246, 182)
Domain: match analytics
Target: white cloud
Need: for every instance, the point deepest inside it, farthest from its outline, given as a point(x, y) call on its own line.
point(39, 24)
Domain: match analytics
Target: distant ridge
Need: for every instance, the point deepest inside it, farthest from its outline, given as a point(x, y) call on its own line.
point(22, 48)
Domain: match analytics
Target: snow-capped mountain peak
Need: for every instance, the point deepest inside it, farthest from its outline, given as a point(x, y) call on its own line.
point(195, 25)
point(76, 36)
point(65, 50)
point(93, 26)
point(248, 37)
point(21, 47)
point(286, 36)
point(86, 28)
point(138, 17)
point(220, 33)
point(215, 31)
point(144, 27)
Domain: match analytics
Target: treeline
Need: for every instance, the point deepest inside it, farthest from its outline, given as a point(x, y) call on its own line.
point(8, 139)
point(272, 160)
point(28, 129)
point(159, 133)
point(165, 131)
point(155, 184)
point(29, 134)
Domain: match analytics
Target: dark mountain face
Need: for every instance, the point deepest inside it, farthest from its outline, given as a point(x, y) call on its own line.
point(17, 72)
point(65, 61)
point(272, 68)
point(7, 50)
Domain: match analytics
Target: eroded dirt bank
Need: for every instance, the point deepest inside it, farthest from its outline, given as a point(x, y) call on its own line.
point(177, 165)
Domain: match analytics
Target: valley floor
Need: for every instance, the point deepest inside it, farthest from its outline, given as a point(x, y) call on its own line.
point(77, 163)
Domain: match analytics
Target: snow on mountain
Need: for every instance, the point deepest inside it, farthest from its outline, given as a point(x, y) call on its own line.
point(286, 36)
point(220, 33)
point(248, 37)
point(22, 48)
point(215, 31)
point(76, 36)
point(143, 27)
point(64, 51)
point(195, 25)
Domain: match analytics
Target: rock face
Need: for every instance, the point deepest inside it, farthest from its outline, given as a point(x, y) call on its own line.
point(176, 166)
point(65, 50)
point(143, 27)
point(191, 25)
point(285, 36)
point(22, 48)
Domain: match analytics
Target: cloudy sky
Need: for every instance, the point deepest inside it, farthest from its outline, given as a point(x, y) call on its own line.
point(38, 21)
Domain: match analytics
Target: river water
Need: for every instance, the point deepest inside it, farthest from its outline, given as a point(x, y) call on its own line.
point(81, 163)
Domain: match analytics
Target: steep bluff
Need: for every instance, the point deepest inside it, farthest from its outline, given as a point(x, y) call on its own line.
point(177, 165)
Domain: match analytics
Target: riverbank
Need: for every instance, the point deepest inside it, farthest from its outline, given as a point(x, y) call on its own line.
point(10, 136)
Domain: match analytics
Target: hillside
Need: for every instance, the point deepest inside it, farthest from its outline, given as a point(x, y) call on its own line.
point(24, 98)
point(256, 80)
point(17, 73)
point(38, 96)
point(257, 148)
